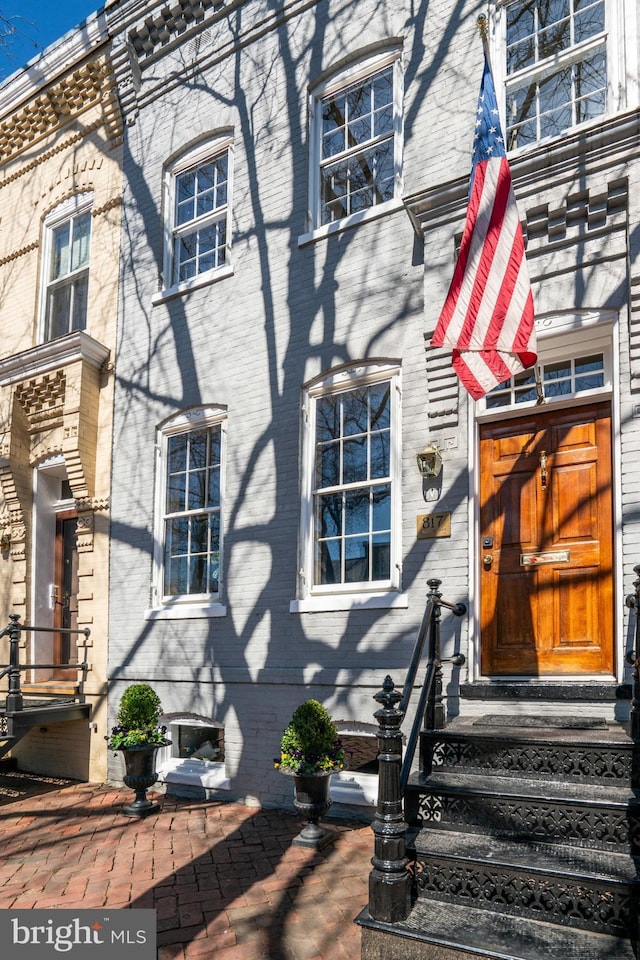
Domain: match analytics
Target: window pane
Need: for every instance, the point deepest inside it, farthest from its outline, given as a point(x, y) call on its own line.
point(60, 251)
point(381, 556)
point(329, 562)
point(327, 465)
point(177, 452)
point(356, 510)
point(327, 418)
point(382, 508)
point(197, 481)
point(58, 308)
point(213, 496)
point(356, 560)
point(80, 302)
point(380, 452)
point(81, 240)
point(329, 508)
point(355, 467)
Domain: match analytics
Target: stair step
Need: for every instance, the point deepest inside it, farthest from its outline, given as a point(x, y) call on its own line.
point(602, 816)
point(446, 931)
point(543, 751)
point(591, 889)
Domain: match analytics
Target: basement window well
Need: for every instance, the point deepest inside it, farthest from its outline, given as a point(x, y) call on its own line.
point(357, 784)
point(195, 757)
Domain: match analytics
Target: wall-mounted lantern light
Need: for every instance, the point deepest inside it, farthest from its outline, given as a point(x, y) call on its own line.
point(430, 461)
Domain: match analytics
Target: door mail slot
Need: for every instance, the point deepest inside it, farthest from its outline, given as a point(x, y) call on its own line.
point(551, 556)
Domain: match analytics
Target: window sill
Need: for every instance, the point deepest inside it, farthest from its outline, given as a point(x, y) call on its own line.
point(355, 789)
point(350, 601)
point(194, 773)
point(186, 611)
point(203, 280)
point(364, 216)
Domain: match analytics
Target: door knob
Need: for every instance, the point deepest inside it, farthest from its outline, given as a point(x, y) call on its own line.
point(487, 559)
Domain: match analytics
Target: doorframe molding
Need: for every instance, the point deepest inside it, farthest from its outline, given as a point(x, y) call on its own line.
point(556, 332)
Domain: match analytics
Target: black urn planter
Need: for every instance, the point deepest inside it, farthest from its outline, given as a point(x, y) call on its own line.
point(140, 767)
point(311, 800)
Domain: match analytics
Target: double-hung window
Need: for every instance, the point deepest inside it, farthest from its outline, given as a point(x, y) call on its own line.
point(66, 267)
point(191, 451)
point(351, 500)
point(356, 132)
point(557, 71)
point(199, 206)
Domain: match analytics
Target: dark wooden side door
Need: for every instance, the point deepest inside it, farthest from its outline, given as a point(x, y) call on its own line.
point(546, 549)
point(66, 583)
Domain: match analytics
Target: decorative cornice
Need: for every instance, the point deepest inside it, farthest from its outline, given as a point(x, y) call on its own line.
point(53, 107)
point(584, 152)
point(52, 355)
point(169, 22)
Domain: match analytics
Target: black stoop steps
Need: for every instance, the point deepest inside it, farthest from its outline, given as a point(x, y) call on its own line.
point(524, 844)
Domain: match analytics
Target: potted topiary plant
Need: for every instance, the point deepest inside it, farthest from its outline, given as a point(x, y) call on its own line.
point(137, 735)
point(310, 751)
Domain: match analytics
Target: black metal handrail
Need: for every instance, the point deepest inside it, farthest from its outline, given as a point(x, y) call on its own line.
point(430, 708)
point(633, 657)
point(15, 700)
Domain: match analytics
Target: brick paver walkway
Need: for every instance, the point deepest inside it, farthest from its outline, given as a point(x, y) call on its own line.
point(224, 879)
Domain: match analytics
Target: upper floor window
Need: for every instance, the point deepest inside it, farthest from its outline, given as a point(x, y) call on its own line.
point(190, 506)
point(67, 244)
point(356, 126)
point(350, 518)
point(199, 192)
point(556, 67)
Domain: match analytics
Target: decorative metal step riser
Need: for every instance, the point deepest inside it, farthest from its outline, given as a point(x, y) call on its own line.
point(596, 764)
point(531, 818)
point(604, 908)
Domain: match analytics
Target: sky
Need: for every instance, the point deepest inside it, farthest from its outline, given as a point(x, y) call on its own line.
point(37, 23)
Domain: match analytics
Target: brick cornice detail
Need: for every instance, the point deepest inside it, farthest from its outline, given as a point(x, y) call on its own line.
point(56, 106)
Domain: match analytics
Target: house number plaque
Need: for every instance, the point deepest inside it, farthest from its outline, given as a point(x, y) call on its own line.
point(551, 556)
point(434, 525)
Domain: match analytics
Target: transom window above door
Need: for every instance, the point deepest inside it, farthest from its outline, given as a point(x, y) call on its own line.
point(557, 66)
point(554, 380)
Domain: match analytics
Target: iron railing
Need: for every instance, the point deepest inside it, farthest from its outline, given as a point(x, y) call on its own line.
point(15, 699)
point(430, 710)
point(633, 657)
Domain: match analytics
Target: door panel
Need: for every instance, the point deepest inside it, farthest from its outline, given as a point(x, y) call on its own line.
point(547, 580)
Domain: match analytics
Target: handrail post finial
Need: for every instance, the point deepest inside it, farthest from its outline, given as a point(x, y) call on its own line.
point(389, 881)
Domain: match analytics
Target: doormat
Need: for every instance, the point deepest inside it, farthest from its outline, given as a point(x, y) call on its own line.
point(542, 723)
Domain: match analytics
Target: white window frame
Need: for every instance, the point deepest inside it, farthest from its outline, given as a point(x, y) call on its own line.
point(65, 212)
point(613, 39)
point(203, 153)
point(360, 71)
point(185, 605)
point(337, 596)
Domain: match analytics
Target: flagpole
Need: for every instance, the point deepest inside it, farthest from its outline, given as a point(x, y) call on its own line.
point(483, 29)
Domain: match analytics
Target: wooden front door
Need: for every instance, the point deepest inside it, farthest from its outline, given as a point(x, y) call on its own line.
point(546, 552)
point(66, 592)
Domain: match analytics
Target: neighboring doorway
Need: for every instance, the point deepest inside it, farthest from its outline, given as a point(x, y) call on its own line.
point(65, 592)
point(546, 543)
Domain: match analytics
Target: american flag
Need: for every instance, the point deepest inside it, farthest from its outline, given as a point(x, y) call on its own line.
point(488, 318)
